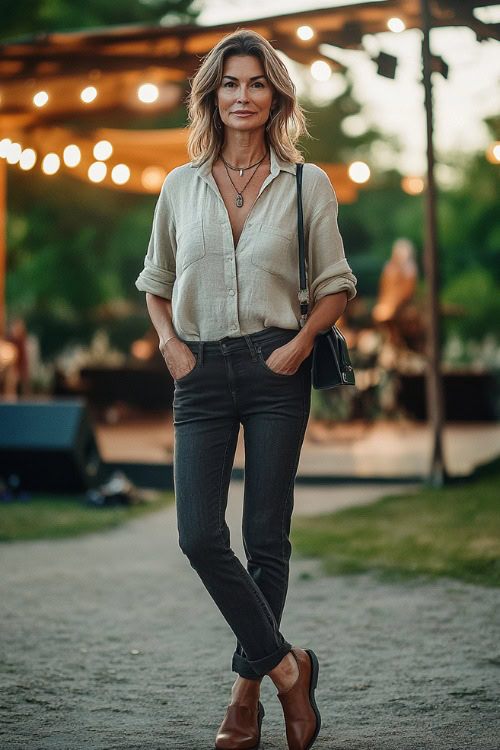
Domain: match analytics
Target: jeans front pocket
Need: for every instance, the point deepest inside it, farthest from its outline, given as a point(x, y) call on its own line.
point(188, 374)
point(269, 347)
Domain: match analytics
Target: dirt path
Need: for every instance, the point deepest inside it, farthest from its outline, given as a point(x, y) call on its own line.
point(111, 641)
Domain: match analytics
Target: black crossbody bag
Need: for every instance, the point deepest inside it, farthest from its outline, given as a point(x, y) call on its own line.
point(331, 364)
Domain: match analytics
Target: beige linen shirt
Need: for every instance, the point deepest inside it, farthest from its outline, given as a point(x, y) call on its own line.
point(220, 290)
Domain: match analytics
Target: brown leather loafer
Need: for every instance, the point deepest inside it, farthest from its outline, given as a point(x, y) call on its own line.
point(302, 717)
point(241, 727)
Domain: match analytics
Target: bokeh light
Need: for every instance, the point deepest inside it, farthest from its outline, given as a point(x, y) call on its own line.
point(148, 93)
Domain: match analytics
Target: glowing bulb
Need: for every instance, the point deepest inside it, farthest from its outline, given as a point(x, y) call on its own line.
point(14, 151)
point(496, 151)
point(152, 178)
point(359, 171)
point(40, 98)
point(142, 349)
point(120, 174)
point(51, 163)
point(97, 171)
point(28, 159)
point(88, 94)
point(413, 185)
point(396, 25)
point(4, 147)
point(103, 150)
point(148, 93)
point(72, 155)
point(305, 32)
point(320, 70)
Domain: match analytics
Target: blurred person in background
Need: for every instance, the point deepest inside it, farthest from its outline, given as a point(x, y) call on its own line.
point(18, 379)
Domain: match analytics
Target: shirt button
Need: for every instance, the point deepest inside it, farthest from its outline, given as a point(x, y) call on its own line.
point(231, 292)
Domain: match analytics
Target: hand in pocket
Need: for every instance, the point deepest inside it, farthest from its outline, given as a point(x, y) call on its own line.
point(178, 357)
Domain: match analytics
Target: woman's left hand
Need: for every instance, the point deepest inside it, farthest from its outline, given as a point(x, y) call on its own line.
point(286, 359)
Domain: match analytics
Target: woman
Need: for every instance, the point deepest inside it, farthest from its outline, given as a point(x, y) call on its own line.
point(222, 277)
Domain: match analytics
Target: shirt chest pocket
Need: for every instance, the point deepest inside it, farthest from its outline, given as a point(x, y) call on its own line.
point(273, 250)
point(190, 244)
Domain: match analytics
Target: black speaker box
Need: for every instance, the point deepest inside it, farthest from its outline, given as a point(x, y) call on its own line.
point(48, 446)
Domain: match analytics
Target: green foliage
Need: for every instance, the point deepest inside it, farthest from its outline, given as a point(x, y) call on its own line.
point(469, 236)
point(478, 294)
point(469, 230)
point(72, 248)
point(37, 16)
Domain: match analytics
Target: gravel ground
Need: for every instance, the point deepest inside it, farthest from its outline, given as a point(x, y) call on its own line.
point(111, 641)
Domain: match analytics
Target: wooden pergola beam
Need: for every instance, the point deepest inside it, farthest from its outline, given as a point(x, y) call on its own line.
point(137, 46)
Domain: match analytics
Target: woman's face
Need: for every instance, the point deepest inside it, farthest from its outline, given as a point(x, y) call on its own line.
point(244, 87)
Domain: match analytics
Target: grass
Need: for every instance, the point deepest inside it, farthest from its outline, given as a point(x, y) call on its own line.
point(453, 531)
point(47, 517)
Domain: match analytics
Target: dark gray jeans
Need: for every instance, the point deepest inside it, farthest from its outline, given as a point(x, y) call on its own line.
point(231, 384)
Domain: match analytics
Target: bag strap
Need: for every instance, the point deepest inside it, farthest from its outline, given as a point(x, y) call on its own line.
point(303, 293)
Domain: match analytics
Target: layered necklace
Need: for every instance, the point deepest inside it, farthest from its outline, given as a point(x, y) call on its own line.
point(239, 193)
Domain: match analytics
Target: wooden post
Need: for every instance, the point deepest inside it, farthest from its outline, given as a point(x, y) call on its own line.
point(434, 384)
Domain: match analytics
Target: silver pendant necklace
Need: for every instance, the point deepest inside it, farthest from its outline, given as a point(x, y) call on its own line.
point(242, 169)
point(239, 193)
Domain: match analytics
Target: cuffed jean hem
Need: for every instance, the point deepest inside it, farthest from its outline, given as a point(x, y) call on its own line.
point(253, 670)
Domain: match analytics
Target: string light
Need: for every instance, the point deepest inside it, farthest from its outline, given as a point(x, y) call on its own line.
point(28, 159)
point(97, 171)
point(72, 155)
point(412, 185)
point(40, 99)
point(152, 178)
point(148, 93)
point(359, 172)
point(51, 163)
point(88, 94)
point(320, 70)
point(4, 146)
point(103, 150)
point(396, 25)
point(14, 151)
point(305, 33)
point(120, 174)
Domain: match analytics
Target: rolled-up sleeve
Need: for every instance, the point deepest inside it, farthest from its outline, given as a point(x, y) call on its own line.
point(158, 274)
point(329, 271)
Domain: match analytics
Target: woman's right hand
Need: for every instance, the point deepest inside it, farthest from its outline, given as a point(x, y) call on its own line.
point(178, 357)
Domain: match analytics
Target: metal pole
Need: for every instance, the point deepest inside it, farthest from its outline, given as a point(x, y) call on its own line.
point(434, 385)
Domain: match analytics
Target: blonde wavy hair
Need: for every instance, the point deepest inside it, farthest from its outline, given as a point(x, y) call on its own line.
point(287, 120)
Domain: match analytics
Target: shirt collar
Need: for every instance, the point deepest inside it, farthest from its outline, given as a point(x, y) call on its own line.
point(277, 164)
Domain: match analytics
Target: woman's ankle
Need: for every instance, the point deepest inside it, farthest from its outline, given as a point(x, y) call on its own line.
point(248, 679)
point(286, 673)
point(245, 690)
